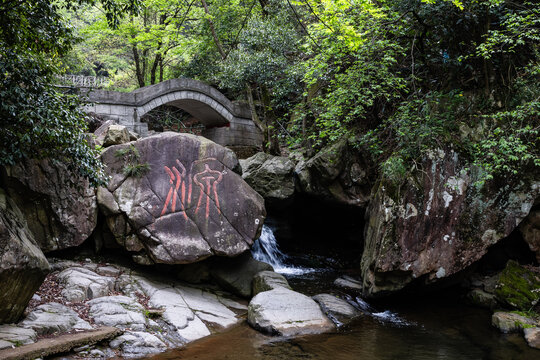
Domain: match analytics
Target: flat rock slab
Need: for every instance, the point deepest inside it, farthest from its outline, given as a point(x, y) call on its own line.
point(285, 312)
point(54, 317)
point(15, 335)
point(118, 311)
point(60, 344)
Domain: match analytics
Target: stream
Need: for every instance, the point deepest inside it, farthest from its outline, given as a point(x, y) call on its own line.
point(435, 327)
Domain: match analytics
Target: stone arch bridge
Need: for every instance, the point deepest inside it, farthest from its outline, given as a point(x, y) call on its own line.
point(226, 123)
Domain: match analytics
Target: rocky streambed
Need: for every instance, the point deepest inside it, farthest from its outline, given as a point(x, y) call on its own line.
point(185, 213)
point(154, 313)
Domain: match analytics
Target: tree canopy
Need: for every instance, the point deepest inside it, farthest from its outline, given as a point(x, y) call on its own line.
point(397, 77)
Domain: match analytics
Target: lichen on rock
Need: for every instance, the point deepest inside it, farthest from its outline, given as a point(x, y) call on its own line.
point(438, 222)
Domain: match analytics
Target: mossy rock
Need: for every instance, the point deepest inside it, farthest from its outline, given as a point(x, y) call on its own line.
point(518, 287)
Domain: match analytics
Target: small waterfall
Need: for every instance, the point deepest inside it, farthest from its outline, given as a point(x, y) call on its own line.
point(267, 250)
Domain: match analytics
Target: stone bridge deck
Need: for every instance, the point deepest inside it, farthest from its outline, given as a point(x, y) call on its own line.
point(226, 123)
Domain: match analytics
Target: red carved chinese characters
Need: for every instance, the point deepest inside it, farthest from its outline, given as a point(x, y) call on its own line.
point(206, 181)
point(180, 177)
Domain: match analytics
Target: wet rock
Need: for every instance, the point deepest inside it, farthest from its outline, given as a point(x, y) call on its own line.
point(268, 280)
point(236, 275)
point(483, 299)
point(285, 312)
point(338, 310)
point(271, 176)
point(53, 317)
point(23, 266)
point(116, 135)
point(530, 229)
point(118, 311)
point(137, 344)
point(438, 222)
point(58, 216)
point(509, 322)
point(348, 283)
point(11, 335)
point(532, 336)
point(337, 173)
point(518, 287)
point(82, 284)
point(178, 194)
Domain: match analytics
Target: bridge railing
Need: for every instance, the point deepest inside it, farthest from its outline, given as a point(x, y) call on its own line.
point(84, 81)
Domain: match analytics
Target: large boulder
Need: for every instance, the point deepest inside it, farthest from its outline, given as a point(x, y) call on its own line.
point(288, 313)
point(336, 173)
point(58, 215)
point(23, 266)
point(438, 222)
point(175, 198)
point(116, 134)
point(271, 176)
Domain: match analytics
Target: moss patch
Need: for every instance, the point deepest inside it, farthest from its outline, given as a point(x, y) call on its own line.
point(518, 287)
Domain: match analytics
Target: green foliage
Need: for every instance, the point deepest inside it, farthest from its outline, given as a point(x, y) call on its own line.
point(352, 62)
point(37, 121)
point(417, 126)
point(136, 170)
point(511, 140)
point(130, 153)
point(402, 77)
point(519, 27)
point(131, 157)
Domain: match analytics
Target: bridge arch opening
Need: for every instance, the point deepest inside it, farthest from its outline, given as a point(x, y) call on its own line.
point(201, 107)
point(171, 118)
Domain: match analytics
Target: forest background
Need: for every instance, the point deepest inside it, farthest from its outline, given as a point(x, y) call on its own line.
point(395, 78)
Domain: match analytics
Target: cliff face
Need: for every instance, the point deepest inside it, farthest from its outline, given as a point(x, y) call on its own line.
point(59, 216)
point(22, 264)
point(438, 222)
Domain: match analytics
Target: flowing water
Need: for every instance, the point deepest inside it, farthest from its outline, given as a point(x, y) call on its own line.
point(439, 327)
point(266, 249)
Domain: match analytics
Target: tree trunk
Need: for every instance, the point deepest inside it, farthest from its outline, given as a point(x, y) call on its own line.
point(270, 119)
point(153, 71)
point(213, 30)
point(161, 70)
point(255, 117)
point(138, 71)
